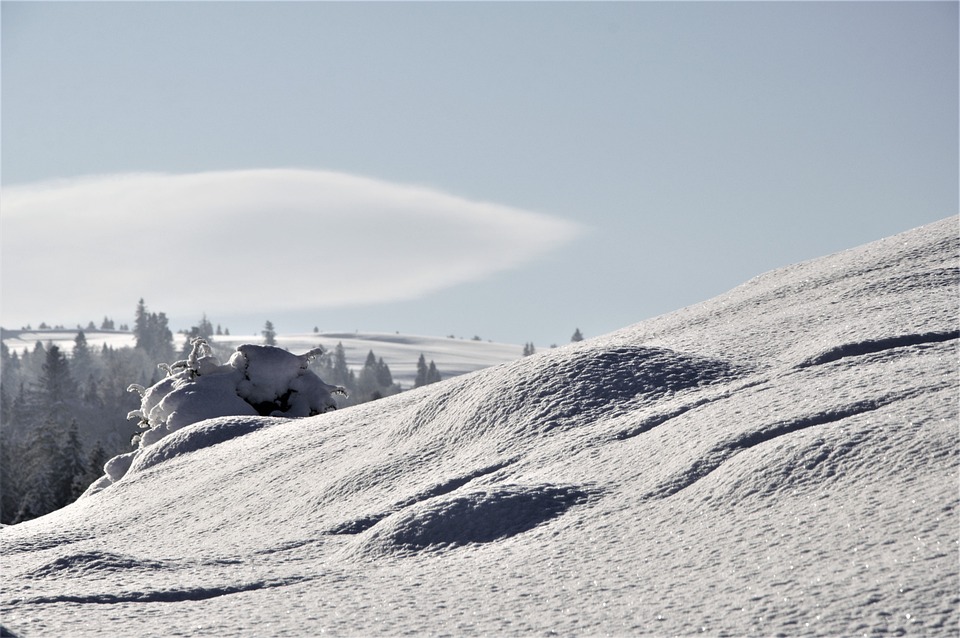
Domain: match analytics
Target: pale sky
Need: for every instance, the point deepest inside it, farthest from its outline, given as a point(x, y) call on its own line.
point(507, 170)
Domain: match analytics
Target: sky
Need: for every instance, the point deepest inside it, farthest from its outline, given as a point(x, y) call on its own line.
point(512, 171)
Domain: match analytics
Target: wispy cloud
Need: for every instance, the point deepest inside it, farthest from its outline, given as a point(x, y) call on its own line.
point(248, 241)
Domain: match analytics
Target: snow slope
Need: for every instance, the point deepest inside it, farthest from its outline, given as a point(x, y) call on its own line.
point(779, 460)
point(399, 351)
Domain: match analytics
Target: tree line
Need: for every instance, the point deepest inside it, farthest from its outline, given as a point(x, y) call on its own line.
point(64, 416)
point(62, 420)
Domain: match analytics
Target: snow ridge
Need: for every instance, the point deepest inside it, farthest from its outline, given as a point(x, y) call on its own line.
point(872, 346)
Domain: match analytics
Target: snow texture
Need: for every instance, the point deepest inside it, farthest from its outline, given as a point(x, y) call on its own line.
point(779, 460)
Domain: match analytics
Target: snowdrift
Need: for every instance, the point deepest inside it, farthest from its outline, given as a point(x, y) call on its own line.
point(781, 459)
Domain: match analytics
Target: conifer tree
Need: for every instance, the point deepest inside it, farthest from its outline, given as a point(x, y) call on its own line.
point(205, 329)
point(56, 391)
point(9, 380)
point(433, 375)
point(72, 470)
point(91, 393)
point(95, 462)
point(340, 370)
point(422, 370)
point(269, 334)
point(577, 336)
point(367, 385)
point(140, 327)
point(152, 333)
point(32, 362)
point(42, 475)
point(6, 406)
point(384, 377)
point(11, 474)
point(82, 361)
point(340, 373)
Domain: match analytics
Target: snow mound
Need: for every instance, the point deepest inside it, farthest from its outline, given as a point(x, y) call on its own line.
point(565, 389)
point(481, 516)
point(91, 563)
point(198, 436)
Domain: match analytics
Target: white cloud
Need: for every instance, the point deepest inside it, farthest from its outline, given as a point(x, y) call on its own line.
point(248, 241)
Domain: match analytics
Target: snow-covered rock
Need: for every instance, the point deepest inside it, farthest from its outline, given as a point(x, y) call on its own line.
point(779, 460)
point(257, 380)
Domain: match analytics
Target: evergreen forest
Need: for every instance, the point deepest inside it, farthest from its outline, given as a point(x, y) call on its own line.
point(63, 415)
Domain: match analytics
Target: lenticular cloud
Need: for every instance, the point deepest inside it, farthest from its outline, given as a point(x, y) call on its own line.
point(251, 240)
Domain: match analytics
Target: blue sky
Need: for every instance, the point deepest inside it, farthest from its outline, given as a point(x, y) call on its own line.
point(508, 170)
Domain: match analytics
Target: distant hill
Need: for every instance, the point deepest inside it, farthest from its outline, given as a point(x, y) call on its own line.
point(399, 351)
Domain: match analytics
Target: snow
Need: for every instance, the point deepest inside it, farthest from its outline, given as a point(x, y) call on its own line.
point(20, 341)
point(453, 356)
point(781, 459)
point(257, 379)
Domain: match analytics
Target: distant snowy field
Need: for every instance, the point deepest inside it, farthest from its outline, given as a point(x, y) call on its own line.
point(779, 460)
point(400, 352)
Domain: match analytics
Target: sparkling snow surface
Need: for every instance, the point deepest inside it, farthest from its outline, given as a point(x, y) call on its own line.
point(781, 459)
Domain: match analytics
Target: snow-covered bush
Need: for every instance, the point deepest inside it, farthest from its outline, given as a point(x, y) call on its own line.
point(257, 380)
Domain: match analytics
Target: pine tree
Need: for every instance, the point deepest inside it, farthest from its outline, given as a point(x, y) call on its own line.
point(433, 375)
point(91, 393)
point(6, 405)
point(95, 462)
point(269, 334)
point(41, 474)
point(384, 378)
point(20, 412)
point(367, 385)
point(422, 370)
point(152, 333)
point(577, 336)
point(72, 470)
point(205, 329)
point(33, 361)
point(82, 362)
point(9, 380)
point(141, 328)
point(340, 373)
point(11, 475)
point(56, 391)
point(162, 337)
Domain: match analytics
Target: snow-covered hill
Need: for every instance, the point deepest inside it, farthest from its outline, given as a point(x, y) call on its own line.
point(400, 352)
point(779, 460)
